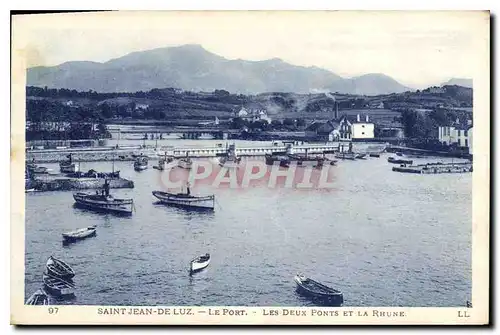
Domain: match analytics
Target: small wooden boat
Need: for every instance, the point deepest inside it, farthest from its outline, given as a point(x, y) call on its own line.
point(79, 234)
point(311, 288)
point(374, 155)
point(163, 163)
point(104, 203)
point(57, 268)
point(58, 286)
point(186, 200)
point(35, 169)
point(199, 263)
point(38, 298)
point(141, 163)
point(399, 161)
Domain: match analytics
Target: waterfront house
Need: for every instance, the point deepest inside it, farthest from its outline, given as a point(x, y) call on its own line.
point(457, 134)
point(362, 129)
point(341, 130)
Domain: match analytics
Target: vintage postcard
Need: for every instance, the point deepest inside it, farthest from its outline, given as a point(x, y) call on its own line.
point(250, 167)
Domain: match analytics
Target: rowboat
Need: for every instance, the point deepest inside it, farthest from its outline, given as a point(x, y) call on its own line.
point(313, 289)
point(58, 286)
point(199, 263)
point(360, 156)
point(58, 268)
point(79, 234)
point(104, 203)
point(38, 298)
point(399, 161)
point(374, 155)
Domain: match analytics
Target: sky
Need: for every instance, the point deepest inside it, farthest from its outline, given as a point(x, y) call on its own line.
point(418, 49)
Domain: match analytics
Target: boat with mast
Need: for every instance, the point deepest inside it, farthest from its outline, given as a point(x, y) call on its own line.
point(230, 159)
point(186, 200)
point(141, 163)
point(185, 162)
point(104, 202)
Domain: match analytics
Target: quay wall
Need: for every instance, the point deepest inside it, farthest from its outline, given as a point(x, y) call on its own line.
point(71, 184)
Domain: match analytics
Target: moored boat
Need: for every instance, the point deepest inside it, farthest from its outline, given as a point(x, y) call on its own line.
point(186, 200)
point(230, 159)
point(38, 298)
point(311, 288)
point(58, 286)
point(199, 263)
point(141, 163)
point(399, 161)
point(58, 268)
point(80, 234)
point(104, 202)
point(374, 155)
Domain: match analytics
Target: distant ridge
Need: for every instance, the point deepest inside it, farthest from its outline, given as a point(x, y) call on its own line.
point(465, 82)
point(191, 67)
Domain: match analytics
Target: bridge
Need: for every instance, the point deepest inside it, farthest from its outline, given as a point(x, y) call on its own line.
point(184, 132)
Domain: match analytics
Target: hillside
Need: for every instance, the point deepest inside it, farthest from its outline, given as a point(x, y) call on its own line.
point(192, 68)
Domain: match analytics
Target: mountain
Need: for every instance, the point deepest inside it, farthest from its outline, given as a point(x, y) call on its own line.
point(191, 67)
point(465, 82)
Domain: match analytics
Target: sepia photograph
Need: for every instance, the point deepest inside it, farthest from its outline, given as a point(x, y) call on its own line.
point(250, 167)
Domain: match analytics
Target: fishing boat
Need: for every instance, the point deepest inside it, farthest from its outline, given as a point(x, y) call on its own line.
point(186, 200)
point(104, 202)
point(141, 163)
point(360, 156)
point(185, 162)
point(79, 234)
point(399, 161)
point(68, 166)
point(313, 289)
point(199, 263)
point(57, 268)
point(35, 169)
point(38, 298)
point(230, 159)
point(57, 286)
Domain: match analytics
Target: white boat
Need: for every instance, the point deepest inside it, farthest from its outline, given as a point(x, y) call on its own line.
point(186, 200)
point(199, 263)
point(38, 298)
point(79, 234)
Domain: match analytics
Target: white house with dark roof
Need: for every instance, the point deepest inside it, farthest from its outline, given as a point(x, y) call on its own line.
point(458, 134)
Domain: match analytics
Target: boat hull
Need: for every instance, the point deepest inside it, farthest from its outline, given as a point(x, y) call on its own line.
point(197, 267)
point(68, 237)
point(195, 203)
point(39, 298)
point(329, 298)
point(124, 208)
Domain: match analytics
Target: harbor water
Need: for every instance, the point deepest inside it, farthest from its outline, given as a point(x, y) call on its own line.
point(382, 238)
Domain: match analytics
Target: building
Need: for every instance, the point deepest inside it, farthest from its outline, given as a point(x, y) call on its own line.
point(362, 129)
point(253, 115)
point(457, 134)
point(141, 107)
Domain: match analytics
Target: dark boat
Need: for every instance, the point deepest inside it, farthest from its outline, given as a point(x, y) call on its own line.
point(186, 200)
point(199, 263)
point(57, 268)
point(399, 161)
point(141, 163)
point(104, 202)
point(79, 234)
point(313, 289)
point(38, 298)
point(58, 286)
point(346, 155)
point(375, 155)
